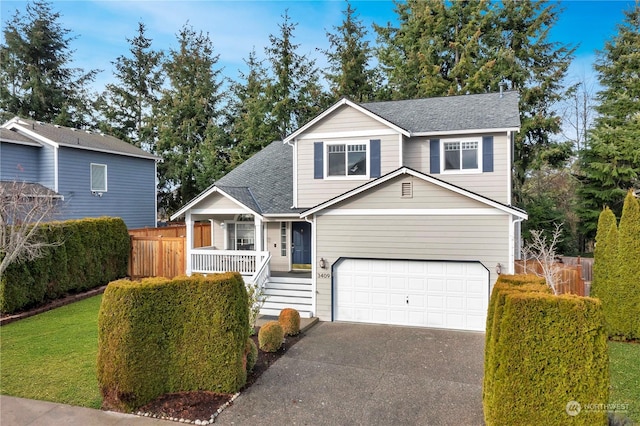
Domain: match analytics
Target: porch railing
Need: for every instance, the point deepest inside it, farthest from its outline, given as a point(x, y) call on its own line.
point(243, 261)
point(261, 276)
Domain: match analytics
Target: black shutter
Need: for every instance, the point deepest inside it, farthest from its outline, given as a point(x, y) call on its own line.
point(434, 149)
point(374, 170)
point(318, 169)
point(487, 153)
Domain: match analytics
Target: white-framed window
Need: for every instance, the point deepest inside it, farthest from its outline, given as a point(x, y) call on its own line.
point(461, 155)
point(241, 233)
point(347, 160)
point(98, 177)
point(283, 239)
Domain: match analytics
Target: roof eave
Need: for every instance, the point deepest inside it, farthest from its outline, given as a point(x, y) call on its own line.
point(466, 131)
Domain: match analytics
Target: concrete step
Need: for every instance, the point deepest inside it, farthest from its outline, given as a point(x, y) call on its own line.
point(290, 280)
point(275, 312)
point(288, 293)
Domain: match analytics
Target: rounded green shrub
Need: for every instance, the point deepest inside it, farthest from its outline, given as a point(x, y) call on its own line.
point(270, 336)
point(289, 320)
point(251, 352)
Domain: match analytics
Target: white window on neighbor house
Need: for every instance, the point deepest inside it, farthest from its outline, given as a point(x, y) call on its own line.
point(241, 233)
point(98, 177)
point(461, 155)
point(346, 160)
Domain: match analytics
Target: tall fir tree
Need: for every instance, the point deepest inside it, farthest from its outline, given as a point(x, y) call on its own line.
point(36, 79)
point(127, 104)
point(249, 121)
point(294, 90)
point(445, 48)
point(610, 164)
point(350, 73)
point(186, 118)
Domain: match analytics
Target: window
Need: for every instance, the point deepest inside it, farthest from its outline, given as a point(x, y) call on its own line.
point(241, 233)
point(461, 155)
point(347, 160)
point(98, 177)
point(283, 239)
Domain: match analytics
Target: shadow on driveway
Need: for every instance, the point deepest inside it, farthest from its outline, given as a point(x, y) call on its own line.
point(346, 374)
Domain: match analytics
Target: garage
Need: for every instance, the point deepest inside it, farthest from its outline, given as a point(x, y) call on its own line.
point(439, 294)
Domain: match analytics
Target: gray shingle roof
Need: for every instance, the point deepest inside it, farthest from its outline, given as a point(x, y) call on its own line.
point(265, 181)
point(451, 113)
point(27, 189)
point(12, 135)
point(74, 138)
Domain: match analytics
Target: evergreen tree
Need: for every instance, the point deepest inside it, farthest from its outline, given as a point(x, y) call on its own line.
point(127, 104)
point(294, 92)
point(188, 138)
point(36, 80)
point(349, 58)
point(250, 125)
point(628, 277)
point(605, 257)
point(445, 48)
point(611, 163)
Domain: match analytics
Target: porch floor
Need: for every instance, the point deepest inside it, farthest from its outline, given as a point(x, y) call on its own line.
point(291, 274)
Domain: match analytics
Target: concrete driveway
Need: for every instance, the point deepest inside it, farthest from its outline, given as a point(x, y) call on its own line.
point(356, 374)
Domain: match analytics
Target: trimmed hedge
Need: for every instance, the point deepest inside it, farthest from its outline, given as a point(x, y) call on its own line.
point(543, 351)
point(161, 336)
point(289, 320)
point(93, 252)
point(270, 336)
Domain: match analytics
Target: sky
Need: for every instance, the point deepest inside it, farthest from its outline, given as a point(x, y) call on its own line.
point(236, 28)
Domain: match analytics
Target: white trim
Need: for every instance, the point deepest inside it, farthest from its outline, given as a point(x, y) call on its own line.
point(15, 142)
point(412, 212)
point(464, 132)
point(350, 134)
point(30, 133)
point(400, 151)
point(426, 178)
point(509, 165)
point(205, 194)
point(56, 168)
point(294, 136)
point(295, 175)
point(218, 211)
point(314, 265)
point(189, 241)
point(106, 184)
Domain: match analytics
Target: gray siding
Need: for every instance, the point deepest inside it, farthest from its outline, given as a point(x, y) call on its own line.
point(457, 238)
point(217, 201)
point(20, 162)
point(493, 184)
point(312, 191)
point(278, 261)
point(130, 192)
point(346, 119)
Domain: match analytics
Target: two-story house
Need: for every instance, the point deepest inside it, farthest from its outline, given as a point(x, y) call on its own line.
point(90, 173)
point(391, 212)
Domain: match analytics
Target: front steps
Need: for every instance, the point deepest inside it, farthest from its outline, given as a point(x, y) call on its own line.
point(288, 292)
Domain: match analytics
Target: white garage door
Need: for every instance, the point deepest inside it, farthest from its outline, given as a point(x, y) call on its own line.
point(451, 295)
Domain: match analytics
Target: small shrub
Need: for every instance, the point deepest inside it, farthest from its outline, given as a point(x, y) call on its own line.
point(289, 320)
point(251, 352)
point(270, 336)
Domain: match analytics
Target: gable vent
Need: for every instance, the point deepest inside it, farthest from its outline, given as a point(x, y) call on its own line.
point(407, 190)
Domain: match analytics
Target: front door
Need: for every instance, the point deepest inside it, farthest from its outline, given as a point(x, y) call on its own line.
point(301, 245)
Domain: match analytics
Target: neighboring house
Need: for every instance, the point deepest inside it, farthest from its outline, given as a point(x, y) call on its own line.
point(399, 212)
point(93, 174)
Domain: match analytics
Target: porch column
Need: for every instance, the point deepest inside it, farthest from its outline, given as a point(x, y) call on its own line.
point(258, 236)
point(189, 243)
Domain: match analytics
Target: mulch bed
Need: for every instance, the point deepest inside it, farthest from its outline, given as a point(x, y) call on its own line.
point(203, 405)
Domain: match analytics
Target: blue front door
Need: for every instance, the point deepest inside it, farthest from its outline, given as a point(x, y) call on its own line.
point(301, 247)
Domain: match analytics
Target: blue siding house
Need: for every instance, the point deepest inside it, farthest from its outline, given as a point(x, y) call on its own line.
point(93, 173)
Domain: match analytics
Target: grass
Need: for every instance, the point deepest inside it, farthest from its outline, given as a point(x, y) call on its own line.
point(52, 356)
point(624, 368)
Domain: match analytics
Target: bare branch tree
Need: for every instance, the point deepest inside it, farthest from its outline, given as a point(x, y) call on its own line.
point(543, 253)
point(23, 208)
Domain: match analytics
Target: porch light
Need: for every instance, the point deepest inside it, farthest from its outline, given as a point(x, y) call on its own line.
point(323, 263)
point(498, 268)
point(222, 225)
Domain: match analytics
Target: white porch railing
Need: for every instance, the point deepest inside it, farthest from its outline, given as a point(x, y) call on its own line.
point(245, 262)
point(263, 272)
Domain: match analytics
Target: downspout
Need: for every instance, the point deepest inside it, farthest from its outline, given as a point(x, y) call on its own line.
point(512, 253)
point(55, 168)
point(294, 174)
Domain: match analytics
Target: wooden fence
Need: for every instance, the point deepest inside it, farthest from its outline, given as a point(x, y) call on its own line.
point(161, 252)
point(571, 278)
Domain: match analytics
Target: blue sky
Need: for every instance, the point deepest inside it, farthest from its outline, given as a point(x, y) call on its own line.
point(236, 27)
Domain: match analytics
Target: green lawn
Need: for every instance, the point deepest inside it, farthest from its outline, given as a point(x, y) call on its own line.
point(625, 377)
point(52, 356)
